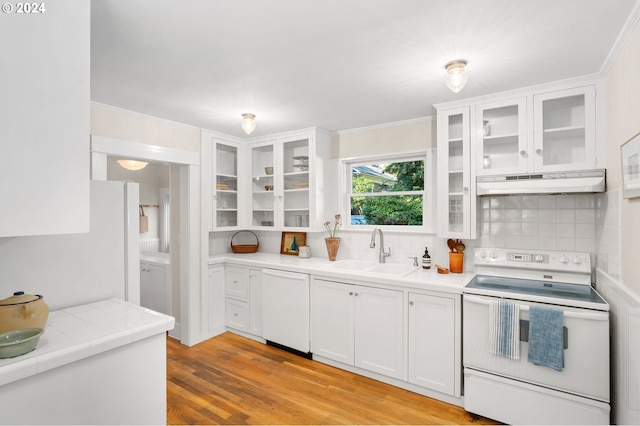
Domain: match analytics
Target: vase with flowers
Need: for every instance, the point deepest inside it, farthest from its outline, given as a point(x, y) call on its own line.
point(332, 242)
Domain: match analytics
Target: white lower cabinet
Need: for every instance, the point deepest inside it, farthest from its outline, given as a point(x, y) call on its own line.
point(155, 287)
point(215, 300)
point(332, 318)
point(434, 354)
point(237, 314)
point(359, 325)
point(243, 299)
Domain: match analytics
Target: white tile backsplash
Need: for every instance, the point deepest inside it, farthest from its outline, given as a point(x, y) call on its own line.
point(572, 222)
point(545, 222)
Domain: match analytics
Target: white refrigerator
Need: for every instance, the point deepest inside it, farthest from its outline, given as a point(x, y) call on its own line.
point(75, 269)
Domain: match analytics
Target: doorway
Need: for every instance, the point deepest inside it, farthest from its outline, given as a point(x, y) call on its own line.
point(154, 236)
point(184, 228)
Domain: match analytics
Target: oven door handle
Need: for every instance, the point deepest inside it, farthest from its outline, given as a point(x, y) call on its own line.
point(587, 315)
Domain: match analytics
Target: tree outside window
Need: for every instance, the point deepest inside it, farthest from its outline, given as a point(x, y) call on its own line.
point(388, 193)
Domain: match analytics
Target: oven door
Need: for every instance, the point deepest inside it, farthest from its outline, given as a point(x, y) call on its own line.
point(586, 357)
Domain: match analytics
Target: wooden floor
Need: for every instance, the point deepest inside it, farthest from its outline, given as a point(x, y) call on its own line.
point(233, 380)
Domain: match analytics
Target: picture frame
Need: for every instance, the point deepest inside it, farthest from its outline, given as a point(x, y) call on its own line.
point(291, 241)
point(630, 158)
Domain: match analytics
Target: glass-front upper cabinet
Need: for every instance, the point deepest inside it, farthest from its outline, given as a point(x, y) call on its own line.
point(295, 183)
point(500, 132)
point(292, 179)
point(225, 197)
point(281, 183)
point(564, 130)
point(456, 188)
point(264, 185)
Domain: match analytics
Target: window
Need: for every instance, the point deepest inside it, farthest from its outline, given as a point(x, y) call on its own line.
point(388, 191)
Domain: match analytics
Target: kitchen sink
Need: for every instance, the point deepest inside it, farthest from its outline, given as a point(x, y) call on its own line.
point(353, 264)
point(392, 269)
point(364, 266)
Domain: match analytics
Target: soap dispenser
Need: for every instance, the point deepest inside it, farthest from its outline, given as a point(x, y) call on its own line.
point(426, 259)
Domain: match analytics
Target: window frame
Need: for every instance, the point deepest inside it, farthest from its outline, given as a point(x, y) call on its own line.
point(428, 192)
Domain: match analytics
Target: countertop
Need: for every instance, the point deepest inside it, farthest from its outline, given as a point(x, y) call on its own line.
point(422, 279)
point(79, 332)
point(155, 257)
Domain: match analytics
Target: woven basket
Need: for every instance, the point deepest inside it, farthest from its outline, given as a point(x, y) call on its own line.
point(245, 248)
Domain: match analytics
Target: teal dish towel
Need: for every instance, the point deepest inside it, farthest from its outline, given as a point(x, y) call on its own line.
point(546, 337)
point(504, 329)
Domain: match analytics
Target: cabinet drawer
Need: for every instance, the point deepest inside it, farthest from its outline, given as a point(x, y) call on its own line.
point(237, 314)
point(237, 283)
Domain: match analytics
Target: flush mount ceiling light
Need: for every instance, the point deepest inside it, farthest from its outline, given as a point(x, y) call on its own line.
point(133, 164)
point(456, 75)
point(248, 122)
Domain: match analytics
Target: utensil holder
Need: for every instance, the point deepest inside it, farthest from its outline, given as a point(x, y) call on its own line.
point(456, 262)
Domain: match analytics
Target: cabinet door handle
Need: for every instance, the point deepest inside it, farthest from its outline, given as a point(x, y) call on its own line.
point(411, 303)
point(524, 153)
point(465, 190)
point(350, 293)
point(539, 151)
point(356, 294)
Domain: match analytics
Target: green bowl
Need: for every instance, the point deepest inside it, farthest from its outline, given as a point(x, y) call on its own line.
point(19, 342)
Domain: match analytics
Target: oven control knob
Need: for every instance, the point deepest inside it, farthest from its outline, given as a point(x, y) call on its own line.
point(493, 255)
point(577, 260)
point(483, 254)
point(538, 258)
point(564, 259)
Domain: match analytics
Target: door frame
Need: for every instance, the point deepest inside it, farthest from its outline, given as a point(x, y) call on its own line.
point(189, 242)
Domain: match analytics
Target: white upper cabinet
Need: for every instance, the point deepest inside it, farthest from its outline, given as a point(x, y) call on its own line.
point(564, 135)
point(292, 176)
point(500, 131)
point(282, 181)
point(456, 185)
point(223, 179)
point(266, 189)
point(226, 185)
point(542, 132)
point(44, 148)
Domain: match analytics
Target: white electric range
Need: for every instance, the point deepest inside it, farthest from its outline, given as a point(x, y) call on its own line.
point(517, 391)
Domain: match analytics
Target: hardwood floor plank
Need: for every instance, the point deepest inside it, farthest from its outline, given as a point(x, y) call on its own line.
point(233, 380)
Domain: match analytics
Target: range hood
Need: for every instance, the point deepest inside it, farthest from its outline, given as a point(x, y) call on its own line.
point(543, 183)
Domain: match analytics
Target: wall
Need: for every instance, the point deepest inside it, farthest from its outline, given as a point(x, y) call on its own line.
point(117, 123)
point(618, 272)
point(405, 136)
point(623, 110)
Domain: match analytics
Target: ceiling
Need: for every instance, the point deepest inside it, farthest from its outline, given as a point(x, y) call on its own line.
point(335, 64)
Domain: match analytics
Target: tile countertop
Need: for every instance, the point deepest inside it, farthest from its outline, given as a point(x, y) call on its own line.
point(422, 279)
point(82, 331)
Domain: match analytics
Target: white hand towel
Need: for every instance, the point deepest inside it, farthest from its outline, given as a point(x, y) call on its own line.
point(504, 329)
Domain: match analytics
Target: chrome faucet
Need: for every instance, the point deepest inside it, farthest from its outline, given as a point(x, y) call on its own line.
point(381, 254)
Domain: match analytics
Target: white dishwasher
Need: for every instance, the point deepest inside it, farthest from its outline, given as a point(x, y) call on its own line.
point(285, 309)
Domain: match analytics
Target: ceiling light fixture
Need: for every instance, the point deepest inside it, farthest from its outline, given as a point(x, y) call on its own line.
point(456, 75)
point(133, 164)
point(248, 122)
